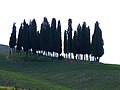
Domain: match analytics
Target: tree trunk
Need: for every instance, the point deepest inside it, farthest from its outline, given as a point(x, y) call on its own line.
point(98, 59)
point(59, 55)
point(88, 57)
point(70, 55)
point(83, 57)
point(78, 56)
point(10, 52)
point(95, 59)
point(67, 55)
point(74, 56)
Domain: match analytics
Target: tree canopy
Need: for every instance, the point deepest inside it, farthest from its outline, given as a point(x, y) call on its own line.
point(48, 40)
point(12, 41)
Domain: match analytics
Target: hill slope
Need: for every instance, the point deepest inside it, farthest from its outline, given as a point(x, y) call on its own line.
point(59, 75)
point(4, 49)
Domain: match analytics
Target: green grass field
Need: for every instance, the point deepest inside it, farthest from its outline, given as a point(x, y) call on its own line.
point(40, 73)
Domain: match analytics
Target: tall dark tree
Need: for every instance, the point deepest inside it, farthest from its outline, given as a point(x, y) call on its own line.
point(25, 38)
point(75, 44)
point(69, 31)
point(20, 38)
point(33, 35)
point(30, 34)
point(65, 43)
point(97, 42)
point(12, 41)
point(53, 42)
point(59, 39)
point(84, 40)
point(45, 35)
point(88, 49)
point(79, 40)
point(42, 36)
point(38, 42)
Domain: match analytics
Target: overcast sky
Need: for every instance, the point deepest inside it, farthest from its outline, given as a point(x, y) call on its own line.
point(106, 12)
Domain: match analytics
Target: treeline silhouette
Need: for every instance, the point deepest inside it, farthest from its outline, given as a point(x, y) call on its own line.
point(48, 41)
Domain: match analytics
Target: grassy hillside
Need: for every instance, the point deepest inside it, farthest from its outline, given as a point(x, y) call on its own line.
point(23, 72)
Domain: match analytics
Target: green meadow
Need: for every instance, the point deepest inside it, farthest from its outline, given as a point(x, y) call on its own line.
point(45, 73)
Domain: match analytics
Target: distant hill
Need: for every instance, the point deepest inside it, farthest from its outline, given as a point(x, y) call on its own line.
point(4, 49)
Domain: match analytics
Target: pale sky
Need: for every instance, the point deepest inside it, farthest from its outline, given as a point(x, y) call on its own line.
point(106, 12)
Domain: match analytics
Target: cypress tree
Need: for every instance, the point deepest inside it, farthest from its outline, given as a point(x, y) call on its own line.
point(12, 41)
point(26, 39)
point(65, 43)
point(45, 35)
point(69, 31)
point(79, 40)
point(84, 40)
point(59, 39)
point(24, 31)
point(75, 44)
point(53, 36)
point(42, 33)
point(88, 43)
point(38, 41)
point(20, 39)
point(97, 43)
point(30, 35)
point(33, 36)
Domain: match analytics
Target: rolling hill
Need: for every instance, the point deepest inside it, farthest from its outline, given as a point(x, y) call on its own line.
point(42, 74)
